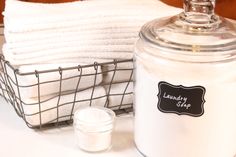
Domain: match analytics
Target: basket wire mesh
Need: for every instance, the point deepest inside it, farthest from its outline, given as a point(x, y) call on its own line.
point(61, 105)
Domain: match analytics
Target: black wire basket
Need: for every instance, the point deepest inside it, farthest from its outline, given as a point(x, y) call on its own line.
point(43, 101)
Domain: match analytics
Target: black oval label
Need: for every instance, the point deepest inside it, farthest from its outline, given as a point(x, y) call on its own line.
point(181, 100)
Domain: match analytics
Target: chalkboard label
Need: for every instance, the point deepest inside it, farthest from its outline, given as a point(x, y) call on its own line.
point(181, 100)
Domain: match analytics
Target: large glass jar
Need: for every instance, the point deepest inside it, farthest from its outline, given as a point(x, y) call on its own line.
point(185, 88)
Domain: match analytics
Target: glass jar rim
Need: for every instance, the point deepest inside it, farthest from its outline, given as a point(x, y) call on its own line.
point(182, 55)
point(78, 121)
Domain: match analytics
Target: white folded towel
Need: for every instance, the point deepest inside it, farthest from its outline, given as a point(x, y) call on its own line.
point(29, 52)
point(117, 73)
point(120, 95)
point(97, 30)
point(86, 57)
point(108, 36)
point(53, 106)
point(50, 82)
point(77, 13)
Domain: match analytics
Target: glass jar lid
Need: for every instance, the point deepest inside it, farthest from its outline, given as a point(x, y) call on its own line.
point(195, 32)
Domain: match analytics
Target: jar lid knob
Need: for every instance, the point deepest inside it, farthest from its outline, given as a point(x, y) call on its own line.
point(199, 6)
point(199, 12)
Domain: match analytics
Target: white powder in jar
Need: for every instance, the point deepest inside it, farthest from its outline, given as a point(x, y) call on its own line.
point(93, 128)
point(168, 134)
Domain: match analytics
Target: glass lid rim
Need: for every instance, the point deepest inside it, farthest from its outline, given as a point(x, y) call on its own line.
point(231, 46)
point(149, 36)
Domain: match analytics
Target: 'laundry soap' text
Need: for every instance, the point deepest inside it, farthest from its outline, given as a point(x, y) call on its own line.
point(181, 101)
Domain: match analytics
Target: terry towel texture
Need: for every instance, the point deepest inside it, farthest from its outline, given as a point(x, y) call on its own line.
point(82, 30)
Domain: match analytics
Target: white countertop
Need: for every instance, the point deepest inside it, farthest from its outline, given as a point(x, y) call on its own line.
point(16, 139)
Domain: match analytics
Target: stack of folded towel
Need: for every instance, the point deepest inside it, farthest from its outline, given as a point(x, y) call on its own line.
point(47, 36)
point(82, 31)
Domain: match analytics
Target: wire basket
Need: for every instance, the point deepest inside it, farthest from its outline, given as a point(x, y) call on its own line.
point(50, 97)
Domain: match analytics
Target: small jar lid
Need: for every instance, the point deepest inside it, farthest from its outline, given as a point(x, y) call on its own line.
point(94, 119)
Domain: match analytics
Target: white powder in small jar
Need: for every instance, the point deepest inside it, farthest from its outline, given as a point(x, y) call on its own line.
point(93, 128)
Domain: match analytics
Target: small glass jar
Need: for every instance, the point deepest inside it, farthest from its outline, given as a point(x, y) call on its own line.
point(93, 128)
point(185, 85)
